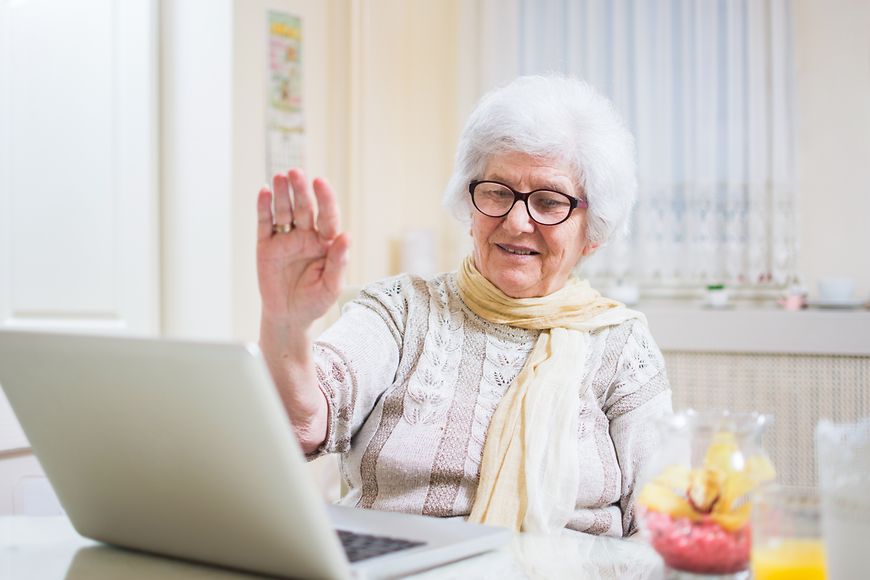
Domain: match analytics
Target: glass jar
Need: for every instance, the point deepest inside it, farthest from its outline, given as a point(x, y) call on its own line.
point(695, 505)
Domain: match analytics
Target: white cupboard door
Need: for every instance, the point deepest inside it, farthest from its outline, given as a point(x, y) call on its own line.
point(79, 244)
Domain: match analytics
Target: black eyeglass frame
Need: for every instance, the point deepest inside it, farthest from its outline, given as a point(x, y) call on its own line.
point(524, 197)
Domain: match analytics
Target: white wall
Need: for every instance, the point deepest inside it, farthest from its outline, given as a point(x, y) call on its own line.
point(833, 83)
point(196, 167)
point(406, 107)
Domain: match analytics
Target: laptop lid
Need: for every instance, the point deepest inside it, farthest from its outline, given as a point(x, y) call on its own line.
point(172, 447)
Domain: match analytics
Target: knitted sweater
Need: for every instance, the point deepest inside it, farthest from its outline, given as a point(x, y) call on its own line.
point(412, 378)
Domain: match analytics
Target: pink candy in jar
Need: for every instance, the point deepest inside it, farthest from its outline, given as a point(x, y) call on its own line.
point(702, 547)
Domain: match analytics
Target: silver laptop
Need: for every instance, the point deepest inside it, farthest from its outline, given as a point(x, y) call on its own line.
point(184, 449)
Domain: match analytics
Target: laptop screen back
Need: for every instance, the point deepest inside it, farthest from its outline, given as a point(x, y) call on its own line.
point(172, 447)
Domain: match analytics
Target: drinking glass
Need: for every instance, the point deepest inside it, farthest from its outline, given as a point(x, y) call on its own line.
point(843, 454)
point(786, 535)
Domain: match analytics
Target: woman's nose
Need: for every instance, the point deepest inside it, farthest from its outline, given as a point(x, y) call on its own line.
point(518, 219)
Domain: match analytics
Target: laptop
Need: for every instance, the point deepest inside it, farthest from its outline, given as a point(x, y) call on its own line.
point(184, 449)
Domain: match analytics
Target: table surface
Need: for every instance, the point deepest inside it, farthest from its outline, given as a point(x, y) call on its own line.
point(48, 548)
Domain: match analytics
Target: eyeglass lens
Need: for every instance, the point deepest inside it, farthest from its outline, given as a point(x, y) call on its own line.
point(544, 206)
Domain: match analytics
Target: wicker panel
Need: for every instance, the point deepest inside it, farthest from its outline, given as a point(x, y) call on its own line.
point(797, 390)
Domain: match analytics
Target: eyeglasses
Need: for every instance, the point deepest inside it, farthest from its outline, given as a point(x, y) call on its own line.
point(546, 207)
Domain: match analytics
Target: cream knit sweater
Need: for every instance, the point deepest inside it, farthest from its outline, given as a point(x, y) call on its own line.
point(412, 378)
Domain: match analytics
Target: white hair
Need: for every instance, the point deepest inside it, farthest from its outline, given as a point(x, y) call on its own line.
point(559, 118)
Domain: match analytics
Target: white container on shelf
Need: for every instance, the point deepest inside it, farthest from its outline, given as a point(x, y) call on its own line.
point(418, 253)
point(717, 296)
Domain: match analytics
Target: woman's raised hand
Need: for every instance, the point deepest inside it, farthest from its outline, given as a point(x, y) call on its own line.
point(301, 251)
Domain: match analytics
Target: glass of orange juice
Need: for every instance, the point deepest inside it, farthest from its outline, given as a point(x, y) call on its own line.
point(786, 535)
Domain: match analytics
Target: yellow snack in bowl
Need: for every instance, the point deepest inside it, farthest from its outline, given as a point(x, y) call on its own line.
point(718, 490)
point(705, 488)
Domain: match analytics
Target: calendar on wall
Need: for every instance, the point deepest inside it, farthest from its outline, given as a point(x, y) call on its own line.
point(285, 129)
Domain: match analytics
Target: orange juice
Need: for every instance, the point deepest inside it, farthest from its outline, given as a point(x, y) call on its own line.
point(789, 559)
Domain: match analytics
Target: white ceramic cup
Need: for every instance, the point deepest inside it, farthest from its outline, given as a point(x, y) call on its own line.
point(419, 253)
point(836, 289)
point(624, 292)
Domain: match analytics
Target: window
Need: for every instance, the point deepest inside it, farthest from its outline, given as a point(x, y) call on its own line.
point(707, 89)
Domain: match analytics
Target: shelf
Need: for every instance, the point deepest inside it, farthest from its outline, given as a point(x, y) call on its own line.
point(690, 327)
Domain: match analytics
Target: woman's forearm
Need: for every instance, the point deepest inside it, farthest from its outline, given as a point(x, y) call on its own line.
point(289, 357)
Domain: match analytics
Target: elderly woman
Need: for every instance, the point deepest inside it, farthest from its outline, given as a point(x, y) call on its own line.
point(508, 391)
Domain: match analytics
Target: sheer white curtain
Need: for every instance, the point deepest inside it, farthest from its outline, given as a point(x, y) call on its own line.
point(707, 88)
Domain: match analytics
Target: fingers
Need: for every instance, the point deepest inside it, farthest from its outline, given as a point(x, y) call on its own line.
point(303, 210)
point(264, 213)
point(328, 218)
point(336, 261)
point(283, 205)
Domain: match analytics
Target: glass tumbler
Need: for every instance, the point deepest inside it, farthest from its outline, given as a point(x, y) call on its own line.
point(843, 454)
point(787, 535)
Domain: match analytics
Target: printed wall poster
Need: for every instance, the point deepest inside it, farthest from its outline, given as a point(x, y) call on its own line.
point(285, 130)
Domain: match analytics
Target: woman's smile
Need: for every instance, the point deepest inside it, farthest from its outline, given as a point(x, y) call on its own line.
point(514, 250)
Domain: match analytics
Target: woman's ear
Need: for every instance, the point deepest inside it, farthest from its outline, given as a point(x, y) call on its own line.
point(590, 248)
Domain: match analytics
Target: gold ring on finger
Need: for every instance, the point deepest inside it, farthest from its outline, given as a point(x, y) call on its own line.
point(282, 228)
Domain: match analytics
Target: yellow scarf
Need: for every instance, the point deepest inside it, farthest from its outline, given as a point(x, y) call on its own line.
point(528, 474)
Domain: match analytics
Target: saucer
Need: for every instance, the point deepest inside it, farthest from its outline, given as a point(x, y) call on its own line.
point(841, 304)
point(726, 306)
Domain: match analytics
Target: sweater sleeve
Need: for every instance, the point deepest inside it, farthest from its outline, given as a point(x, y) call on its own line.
point(357, 357)
point(639, 395)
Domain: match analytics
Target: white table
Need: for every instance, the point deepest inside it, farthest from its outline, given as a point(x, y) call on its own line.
point(48, 548)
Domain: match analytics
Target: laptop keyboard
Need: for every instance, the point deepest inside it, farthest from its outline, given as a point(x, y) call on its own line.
point(363, 546)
